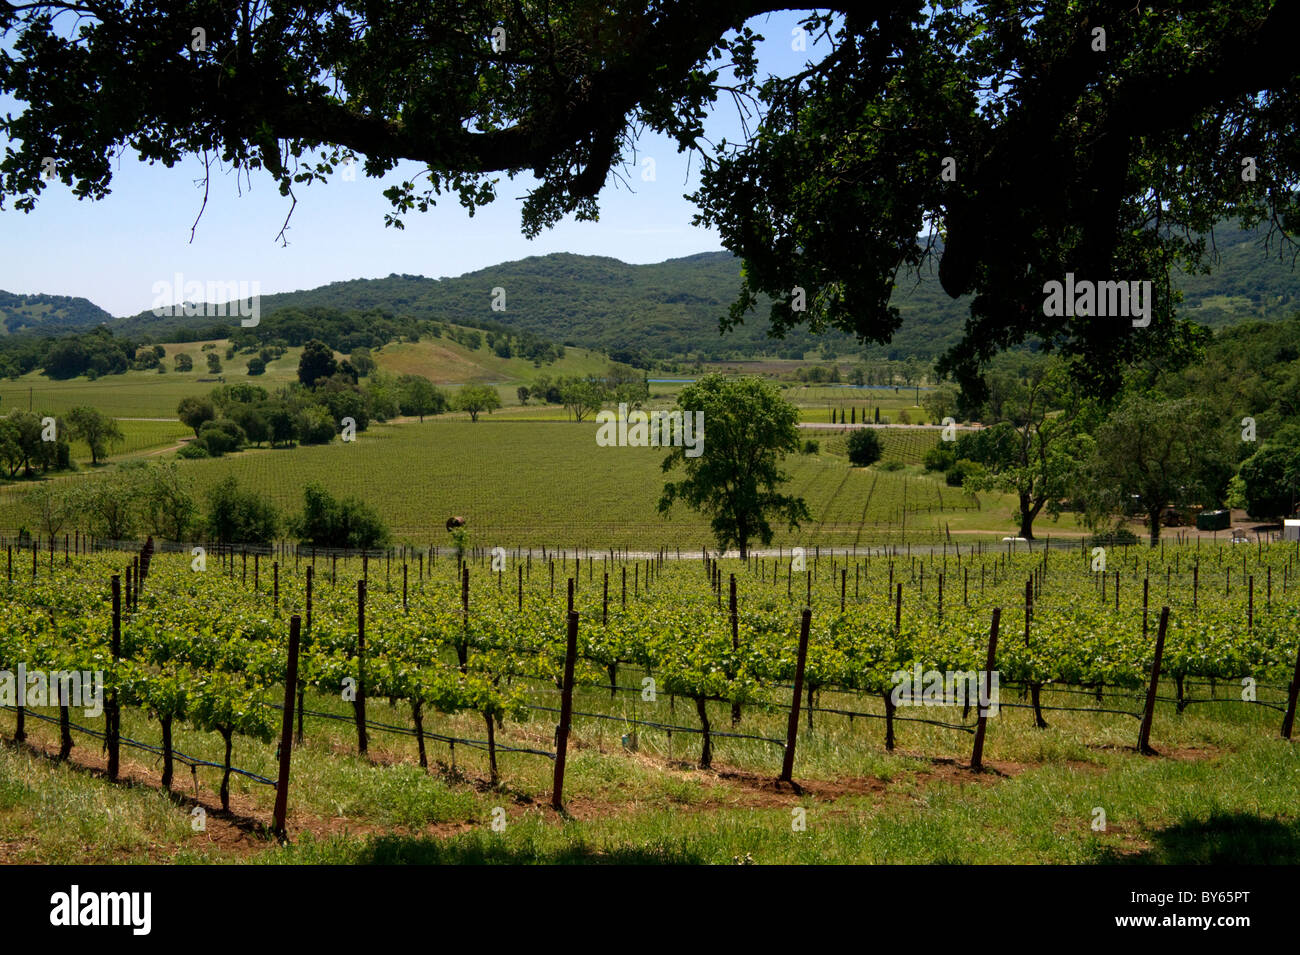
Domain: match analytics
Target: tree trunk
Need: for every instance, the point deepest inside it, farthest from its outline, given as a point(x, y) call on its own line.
point(706, 753)
point(166, 722)
point(1035, 689)
point(65, 733)
point(492, 748)
point(227, 735)
point(1154, 518)
point(889, 721)
point(417, 713)
point(1027, 515)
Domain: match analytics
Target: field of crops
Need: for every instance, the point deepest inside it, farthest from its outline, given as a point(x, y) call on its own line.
point(570, 493)
point(451, 669)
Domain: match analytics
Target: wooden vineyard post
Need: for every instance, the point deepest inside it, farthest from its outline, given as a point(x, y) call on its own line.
point(898, 611)
point(520, 568)
point(566, 714)
point(405, 607)
point(1146, 589)
point(977, 754)
point(735, 645)
point(844, 583)
point(110, 708)
point(604, 604)
point(792, 727)
point(310, 573)
point(1288, 721)
point(275, 583)
point(1144, 735)
point(286, 730)
point(359, 704)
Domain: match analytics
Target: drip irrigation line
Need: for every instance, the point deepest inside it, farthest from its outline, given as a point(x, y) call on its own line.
point(178, 756)
point(664, 726)
point(436, 737)
point(1188, 701)
point(964, 727)
point(1070, 709)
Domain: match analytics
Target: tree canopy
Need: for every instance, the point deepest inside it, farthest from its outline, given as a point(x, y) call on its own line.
point(736, 479)
point(1093, 137)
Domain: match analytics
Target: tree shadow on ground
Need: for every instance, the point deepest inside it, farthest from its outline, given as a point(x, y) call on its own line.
point(1222, 839)
point(419, 850)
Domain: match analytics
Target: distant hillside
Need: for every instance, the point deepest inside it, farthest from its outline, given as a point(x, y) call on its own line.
point(49, 314)
point(671, 309)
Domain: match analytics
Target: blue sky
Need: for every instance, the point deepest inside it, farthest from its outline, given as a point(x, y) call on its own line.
point(114, 250)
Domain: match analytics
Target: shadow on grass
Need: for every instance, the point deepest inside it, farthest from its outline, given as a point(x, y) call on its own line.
point(419, 850)
point(1222, 839)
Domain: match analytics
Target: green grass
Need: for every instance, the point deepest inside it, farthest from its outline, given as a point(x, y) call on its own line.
point(445, 362)
point(1225, 791)
point(535, 482)
point(141, 394)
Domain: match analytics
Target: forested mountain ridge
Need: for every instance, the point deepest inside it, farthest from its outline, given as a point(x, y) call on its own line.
point(49, 314)
point(668, 309)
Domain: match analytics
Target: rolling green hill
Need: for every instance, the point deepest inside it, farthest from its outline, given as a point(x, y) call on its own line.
point(48, 314)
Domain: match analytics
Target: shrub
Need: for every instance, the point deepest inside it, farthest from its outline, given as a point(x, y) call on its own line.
point(1116, 537)
point(193, 450)
point(864, 447)
point(327, 522)
point(221, 437)
point(939, 458)
point(811, 447)
point(236, 516)
point(315, 426)
point(961, 471)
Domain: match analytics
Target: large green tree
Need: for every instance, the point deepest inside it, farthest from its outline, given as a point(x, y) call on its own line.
point(735, 479)
point(97, 429)
point(1155, 452)
point(1271, 481)
point(317, 362)
point(475, 399)
point(1038, 442)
